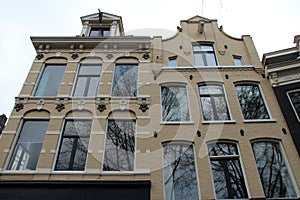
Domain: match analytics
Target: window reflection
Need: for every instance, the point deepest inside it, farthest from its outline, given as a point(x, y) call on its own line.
point(273, 170)
point(204, 55)
point(227, 171)
point(180, 178)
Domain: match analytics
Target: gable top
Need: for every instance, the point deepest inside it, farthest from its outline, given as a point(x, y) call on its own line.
point(105, 17)
point(196, 18)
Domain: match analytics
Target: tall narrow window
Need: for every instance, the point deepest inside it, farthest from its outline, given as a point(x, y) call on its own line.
point(173, 61)
point(294, 97)
point(213, 102)
point(50, 81)
point(204, 55)
point(125, 80)
point(227, 171)
point(251, 102)
point(174, 104)
point(273, 170)
point(74, 145)
point(120, 146)
point(88, 78)
point(180, 177)
point(27, 151)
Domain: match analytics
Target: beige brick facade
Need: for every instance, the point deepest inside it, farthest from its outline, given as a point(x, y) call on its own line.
point(153, 73)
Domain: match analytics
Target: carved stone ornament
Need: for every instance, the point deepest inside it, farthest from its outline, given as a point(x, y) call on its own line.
point(19, 106)
point(109, 56)
point(143, 102)
point(144, 107)
point(59, 107)
point(146, 56)
point(101, 107)
point(40, 104)
point(74, 56)
point(39, 56)
point(80, 104)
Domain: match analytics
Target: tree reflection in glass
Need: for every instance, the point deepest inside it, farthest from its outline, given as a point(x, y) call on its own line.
point(174, 103)
point(74, 145)
point(180, 178)
point(125, 80)
point(227, 171)
point(120, 146)
point(251, 102)
point(273, 171)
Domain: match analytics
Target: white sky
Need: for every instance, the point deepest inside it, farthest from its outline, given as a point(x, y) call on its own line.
point(271, 23)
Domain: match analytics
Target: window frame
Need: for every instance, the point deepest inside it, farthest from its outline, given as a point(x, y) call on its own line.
point(291, 102)
point(175, 84)
point(137, 80)
point(183, 143)
point(228, 157)
point(60, 141)
point(135, 146)
point(39, 79)
point(224, 95)
point(16, 141)
point(89, 78)
point(254, 83)
point(204, 53)
point(285, 160)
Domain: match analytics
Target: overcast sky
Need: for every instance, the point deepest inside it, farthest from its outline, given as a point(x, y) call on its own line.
point(271, 23)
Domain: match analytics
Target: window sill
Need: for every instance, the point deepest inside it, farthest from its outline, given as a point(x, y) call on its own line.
point(260, 120)
point(126, 173)
point(219, 122)
point(177, 123)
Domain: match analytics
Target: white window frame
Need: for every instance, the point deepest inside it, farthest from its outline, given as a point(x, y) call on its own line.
point(291, 102)
point(135, 146)
point(175, 84)
point(203, 44)
point(59, 145)
point(231, 156)
point(183, 142)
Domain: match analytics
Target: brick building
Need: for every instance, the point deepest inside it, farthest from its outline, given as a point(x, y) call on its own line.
point(105, 115)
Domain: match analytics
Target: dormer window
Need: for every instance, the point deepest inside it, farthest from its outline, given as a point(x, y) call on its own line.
point(100, 32)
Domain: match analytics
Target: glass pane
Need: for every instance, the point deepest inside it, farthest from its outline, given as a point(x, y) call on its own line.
point(180, 178)
point(120, 146)
point(198, 58)
point(125, 81)
point(106, 33)
point(50, 81)
point(80, 87)
point(210, 89)
point(222, 149)
point(173, 62)
point(89, 69)
point(221, 108)
point(207, 47)
point(196, 48)
point(74, 145)
point(207, 109)
point(27, 151)
point(251, 102)
point(238, 61)
point(273, 170)
point(174, 104)
point(228, 179)
point(95, 32)
point(93, 86)
point(210, 59)
point(295, 98)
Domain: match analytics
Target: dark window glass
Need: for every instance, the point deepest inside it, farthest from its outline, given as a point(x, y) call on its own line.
point(74, 145)
point(204, 55)
point(99, 32)
point(251, 102)
point(50, 81)
point(27, 151)
point(125, 80)
point(174, 103)
point(180, 177)
point(295, 100)
point(227, 171)
point(213, 102)
point(120, 146)
point(88, 78)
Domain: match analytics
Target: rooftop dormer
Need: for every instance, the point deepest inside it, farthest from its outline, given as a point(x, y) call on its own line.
point(102, 24)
